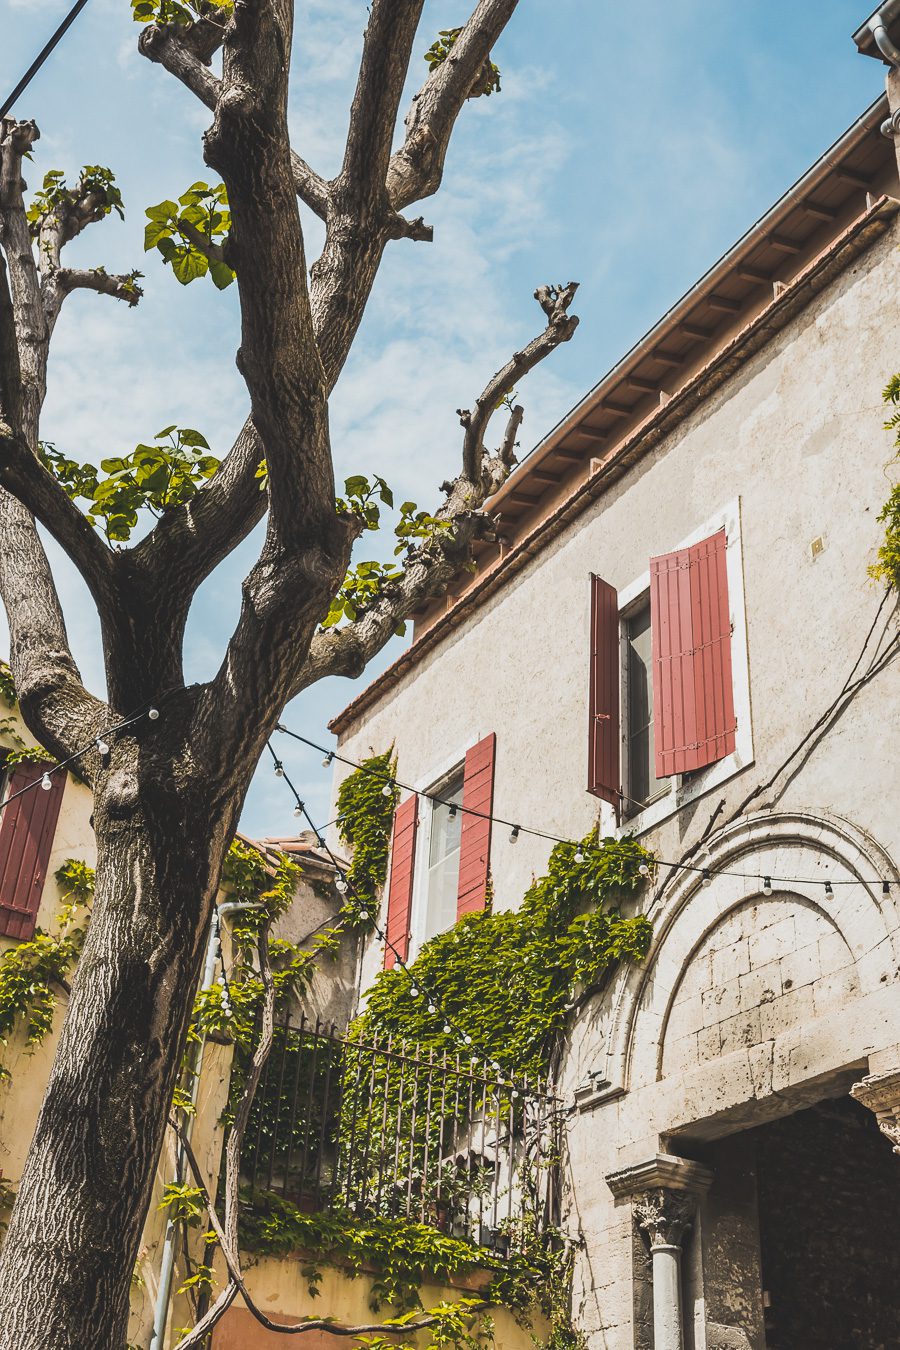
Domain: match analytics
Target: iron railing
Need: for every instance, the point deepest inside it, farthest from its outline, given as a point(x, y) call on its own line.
point(376, 1129)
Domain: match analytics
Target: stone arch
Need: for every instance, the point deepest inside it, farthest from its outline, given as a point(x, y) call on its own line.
point(686, 914)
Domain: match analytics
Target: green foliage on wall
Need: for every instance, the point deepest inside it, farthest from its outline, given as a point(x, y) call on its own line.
point(33, 971)
point(887, 568)
point(7, 687)
point(508, 979)
point(366, 815)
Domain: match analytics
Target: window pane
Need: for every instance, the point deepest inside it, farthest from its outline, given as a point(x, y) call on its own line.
point(643, 785)
point(443, 860)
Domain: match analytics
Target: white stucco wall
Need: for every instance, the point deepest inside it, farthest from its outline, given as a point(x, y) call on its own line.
point(796, 435)
point(748, 1004)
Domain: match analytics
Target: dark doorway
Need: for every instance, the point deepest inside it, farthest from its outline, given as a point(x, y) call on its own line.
point(829, 1200)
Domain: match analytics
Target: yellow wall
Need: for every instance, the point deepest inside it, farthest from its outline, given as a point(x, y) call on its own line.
point(278, 1287)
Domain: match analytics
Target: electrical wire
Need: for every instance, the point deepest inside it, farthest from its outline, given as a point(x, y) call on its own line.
point(517, 829)
point(42, 56)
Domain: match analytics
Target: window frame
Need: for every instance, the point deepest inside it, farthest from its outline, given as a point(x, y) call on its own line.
point(451, 768)
point(686, 788)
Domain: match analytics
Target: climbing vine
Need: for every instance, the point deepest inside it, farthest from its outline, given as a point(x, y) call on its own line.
point(33, 971)
point(508, 978)
point(887, 568)
point(365, 813)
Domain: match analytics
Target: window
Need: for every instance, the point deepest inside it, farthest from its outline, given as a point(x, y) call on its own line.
point(442, 878)
point(669, 696)
point(641, 782)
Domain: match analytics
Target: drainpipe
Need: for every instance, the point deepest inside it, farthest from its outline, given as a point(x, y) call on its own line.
point(889, 50)
point(167, 1264)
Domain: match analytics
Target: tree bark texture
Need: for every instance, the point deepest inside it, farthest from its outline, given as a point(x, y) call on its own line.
point(167, 802)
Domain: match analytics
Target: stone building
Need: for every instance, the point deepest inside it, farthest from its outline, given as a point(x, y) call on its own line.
point(677, 636)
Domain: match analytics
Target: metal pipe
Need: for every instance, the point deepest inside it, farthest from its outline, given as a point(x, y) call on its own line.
point(167, 1264)
point(889, 50)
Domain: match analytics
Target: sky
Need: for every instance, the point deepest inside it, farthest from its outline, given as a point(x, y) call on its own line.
point(630, 146)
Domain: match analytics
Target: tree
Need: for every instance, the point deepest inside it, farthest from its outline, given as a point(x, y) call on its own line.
point(168, 793)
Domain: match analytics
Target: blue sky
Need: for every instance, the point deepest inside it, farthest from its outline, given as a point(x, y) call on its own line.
point(631, 145)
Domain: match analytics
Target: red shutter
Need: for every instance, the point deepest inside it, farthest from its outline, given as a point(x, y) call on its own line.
point(475, 830)
point(27, 826)
point(604, 774)
point(400, 887)
point(693, 700)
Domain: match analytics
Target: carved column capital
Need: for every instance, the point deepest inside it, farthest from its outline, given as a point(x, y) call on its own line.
point(665, 1216)
point(880, 1094)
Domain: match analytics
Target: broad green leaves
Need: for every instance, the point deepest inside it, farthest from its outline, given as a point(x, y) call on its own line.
point(174, 11)
point(153, 477)
point(488, 81)
point(187, 231)
point(366, 582)
point(94, 182)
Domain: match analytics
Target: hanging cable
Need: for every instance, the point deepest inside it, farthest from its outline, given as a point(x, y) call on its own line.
point(515, 829)
point(42, 56)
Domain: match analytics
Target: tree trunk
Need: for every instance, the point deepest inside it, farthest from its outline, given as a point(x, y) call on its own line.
point(66, 1266)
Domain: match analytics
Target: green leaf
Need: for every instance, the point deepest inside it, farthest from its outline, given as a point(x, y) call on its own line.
point(188, 265)
point(221, 274)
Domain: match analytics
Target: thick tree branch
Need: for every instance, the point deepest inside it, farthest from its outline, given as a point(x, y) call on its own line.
point(555, 301)
point(417, 167)
point(430, 570)
point(171, 47)
point(387, 48)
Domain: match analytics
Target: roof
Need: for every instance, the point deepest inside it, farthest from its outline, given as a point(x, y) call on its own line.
point(829, 215)
point(303, 846)
point(889, 15)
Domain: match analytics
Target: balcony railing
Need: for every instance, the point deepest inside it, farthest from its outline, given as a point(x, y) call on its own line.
point(377, 1129)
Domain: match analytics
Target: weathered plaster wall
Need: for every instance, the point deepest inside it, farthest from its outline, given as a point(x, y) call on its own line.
point(748, 1006)
point(279, 1287)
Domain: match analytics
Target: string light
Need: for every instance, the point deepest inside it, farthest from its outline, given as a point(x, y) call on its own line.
point(45, 782)
point(767, 886)
point(829, 890)
point(579, 857)
point(327, 761)
point(279, 769)
point(453, 810)
point(153, 714)
point(645, 868)
point(388, 789)
point(706, 877)
point(102, 746)
point(341, 885)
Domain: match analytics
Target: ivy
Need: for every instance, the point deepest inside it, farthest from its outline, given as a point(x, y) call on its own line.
point(508, 979)
point(174, 229)
point(365, 816)
point(31, 972)
point(154, 477)
point(887, 568)
point(7, 686)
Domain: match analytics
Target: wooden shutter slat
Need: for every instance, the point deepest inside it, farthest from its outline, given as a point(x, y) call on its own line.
point(400, 886)
point(604, 732)
point(475, 829)
point(27, 827)
point(691, 641)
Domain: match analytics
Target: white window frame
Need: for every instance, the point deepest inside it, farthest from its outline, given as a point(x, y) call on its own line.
point(687, 788)
point(450, 767)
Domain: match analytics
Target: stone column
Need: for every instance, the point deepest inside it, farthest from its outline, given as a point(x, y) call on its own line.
point(880, 1094)
point(665, 1216)
point(664, 1192)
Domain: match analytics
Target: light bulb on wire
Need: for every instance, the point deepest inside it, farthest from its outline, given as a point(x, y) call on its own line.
point(279, 769)
point(767, 886)
point(102, 746)
point(326, 762)
point(388, 789)
point(45, 782)
point(579, 856)
point(153, 714)
point(514, 834)
point(644, 869)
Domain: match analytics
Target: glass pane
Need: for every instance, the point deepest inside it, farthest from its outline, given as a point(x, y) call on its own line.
point(643, 785)
point(445, 827)
point(443, 860)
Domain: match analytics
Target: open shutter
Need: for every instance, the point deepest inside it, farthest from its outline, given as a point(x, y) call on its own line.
point(27, 827)
point(400, 887)
point(475, 829)
point(604, 775)
point(693, 699)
